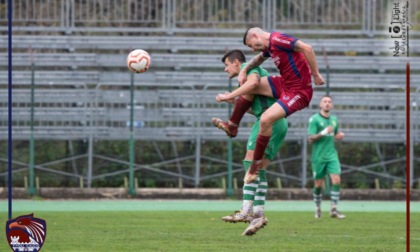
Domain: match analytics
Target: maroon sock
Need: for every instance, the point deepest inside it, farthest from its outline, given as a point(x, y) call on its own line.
point(261, 144)
point(240, 108)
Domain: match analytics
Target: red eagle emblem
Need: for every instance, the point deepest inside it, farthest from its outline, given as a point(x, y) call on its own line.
point(26, 233)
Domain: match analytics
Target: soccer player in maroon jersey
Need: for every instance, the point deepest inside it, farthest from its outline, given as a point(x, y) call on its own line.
point(292, 88)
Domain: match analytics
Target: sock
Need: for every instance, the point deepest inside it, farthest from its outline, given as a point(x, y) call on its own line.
point(248, 190)
point(239, 109)
point(261, 144)
point(260, 194)
point(317, 193)
point(335, 195)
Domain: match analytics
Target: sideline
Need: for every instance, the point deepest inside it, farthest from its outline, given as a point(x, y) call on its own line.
point(197, 205)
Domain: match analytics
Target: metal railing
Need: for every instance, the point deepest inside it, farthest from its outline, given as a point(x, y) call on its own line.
point(182, 113)
point(343, 17)
point(68, 110)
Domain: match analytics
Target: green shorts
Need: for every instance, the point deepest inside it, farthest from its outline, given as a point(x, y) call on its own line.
point(320, 169)
point(276, 140)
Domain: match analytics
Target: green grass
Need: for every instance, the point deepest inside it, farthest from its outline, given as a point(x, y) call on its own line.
point(204, 231)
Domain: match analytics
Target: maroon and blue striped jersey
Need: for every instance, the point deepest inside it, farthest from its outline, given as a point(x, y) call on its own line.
point(293, 66)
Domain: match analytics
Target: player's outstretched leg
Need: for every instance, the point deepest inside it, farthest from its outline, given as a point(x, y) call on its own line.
point(230, 128)
point(239, 109)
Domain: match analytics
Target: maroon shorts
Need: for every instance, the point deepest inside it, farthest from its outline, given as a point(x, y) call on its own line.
point(291, 98)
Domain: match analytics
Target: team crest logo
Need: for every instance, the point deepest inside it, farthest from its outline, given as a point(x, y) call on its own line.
point(26, 233)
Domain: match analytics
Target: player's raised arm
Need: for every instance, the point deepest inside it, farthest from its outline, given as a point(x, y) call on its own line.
point(254, 62)
point(309, 54)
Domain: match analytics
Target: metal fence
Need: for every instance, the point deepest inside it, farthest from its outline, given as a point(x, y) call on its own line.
point(74, 102)
point(182, 114)
point(340, 17)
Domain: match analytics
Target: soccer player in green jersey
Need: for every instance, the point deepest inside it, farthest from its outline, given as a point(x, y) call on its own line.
point(254, 193)
point(323, 131)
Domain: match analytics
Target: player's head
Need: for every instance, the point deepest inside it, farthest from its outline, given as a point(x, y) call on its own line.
point(326, 103)
point(233, 61)
point(254, 38)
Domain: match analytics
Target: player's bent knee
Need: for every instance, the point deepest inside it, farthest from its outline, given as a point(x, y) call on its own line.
point(267, 120)
point(264, 122)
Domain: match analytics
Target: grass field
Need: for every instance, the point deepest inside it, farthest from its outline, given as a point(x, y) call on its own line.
point(200, 230)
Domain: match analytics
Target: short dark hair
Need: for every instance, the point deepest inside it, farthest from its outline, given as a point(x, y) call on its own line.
point(234, 54)
point(246, 35)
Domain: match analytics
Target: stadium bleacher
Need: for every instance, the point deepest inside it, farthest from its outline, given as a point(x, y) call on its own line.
point(82, 85)
point(81, 58)
point(51, 77)
point(79, 64)
point(78, 69)
point(77, 43)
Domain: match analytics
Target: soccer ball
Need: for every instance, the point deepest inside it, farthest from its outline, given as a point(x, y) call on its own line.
point(138, 61)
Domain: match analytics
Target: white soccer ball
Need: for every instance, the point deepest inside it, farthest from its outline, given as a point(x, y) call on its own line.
point(138, 61)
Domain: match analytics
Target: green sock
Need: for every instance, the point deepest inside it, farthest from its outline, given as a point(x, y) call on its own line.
point(335, 195)
point(260, 194)
point(248, 190)
point(317, 193)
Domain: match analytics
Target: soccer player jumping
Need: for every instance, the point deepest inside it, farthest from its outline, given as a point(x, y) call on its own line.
point(254, 193)
point(296, 63)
